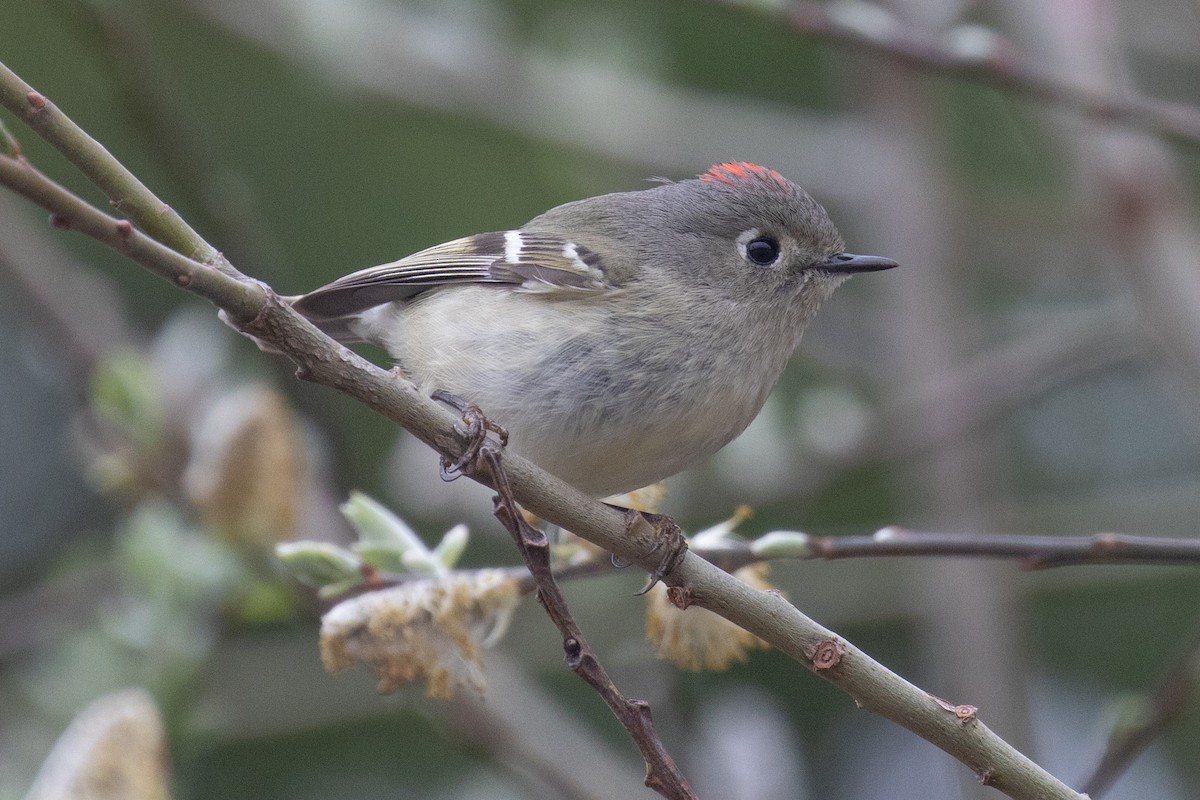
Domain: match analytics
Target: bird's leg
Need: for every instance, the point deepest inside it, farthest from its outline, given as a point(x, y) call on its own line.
point(474, 426)
point(668, 538)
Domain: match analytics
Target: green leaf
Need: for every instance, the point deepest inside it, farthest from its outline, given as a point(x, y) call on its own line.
point(319, 563)
point(452, 545)
point(377, 525)
point(382, 557)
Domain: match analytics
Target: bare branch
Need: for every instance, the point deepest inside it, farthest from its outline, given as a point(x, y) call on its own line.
point(661, 773)
point(990, 61)
point(239, 296)
point(126, 193)
point(1033, 552)
point(72, 305)
point(1153, 714)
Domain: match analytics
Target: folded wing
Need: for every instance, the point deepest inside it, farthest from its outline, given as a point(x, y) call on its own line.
point(517, 260)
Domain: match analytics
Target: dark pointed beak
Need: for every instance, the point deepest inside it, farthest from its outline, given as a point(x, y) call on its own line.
point(850, 263)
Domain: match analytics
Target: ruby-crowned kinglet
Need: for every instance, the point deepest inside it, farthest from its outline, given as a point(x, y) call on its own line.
point(619, 339)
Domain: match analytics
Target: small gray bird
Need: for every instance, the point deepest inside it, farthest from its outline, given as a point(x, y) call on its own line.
point(619, 339)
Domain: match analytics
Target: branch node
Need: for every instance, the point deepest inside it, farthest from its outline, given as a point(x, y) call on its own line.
point(828, 654)
point(680, 597)
point(271, 301)
point(667, 537)
point(36, 100)
point(60, 221)
point(821, 546)
point(964, 712)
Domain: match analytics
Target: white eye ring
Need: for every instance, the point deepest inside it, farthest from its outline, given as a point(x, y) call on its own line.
point(759, 249)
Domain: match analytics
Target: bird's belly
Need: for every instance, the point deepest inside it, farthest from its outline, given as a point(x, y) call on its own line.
point(604, 460)
point(611, 443)
point(606, 407)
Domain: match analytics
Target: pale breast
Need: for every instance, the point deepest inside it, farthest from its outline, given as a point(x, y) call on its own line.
point(608, 402)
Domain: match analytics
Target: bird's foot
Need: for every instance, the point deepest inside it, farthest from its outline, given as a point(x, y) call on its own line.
point(668, 538)
point(473, 426)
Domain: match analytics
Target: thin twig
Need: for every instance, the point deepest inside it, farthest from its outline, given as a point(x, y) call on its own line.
point(990, 61)
point(126, 193)
point(185, 151)
point(1029, 551)
point(661, 773)
point(1032, 552)
point(71, 212)
point(1153, 714)
point(74, 307)
point(10, 144)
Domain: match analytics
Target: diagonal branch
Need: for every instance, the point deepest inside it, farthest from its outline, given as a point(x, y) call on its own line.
point(985, 58)
point(126, 193)
point(1171, 696)
point(240, 296)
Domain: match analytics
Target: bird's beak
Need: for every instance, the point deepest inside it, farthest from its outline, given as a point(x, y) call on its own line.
point(850, 263)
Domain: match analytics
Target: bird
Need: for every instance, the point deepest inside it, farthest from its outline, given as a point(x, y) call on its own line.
point(619, 339)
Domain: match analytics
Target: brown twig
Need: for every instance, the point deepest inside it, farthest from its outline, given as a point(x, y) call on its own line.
point(995, 64)
point(71, 212)
point(1032, 552)
point(185, 151)
point(73, 306)
point(661, 773)
point(1171, 697)
point(10, 145)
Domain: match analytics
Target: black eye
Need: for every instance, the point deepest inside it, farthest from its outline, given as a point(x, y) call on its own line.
point(762, 251)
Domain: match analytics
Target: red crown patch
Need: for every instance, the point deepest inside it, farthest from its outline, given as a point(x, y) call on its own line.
point(732, 173)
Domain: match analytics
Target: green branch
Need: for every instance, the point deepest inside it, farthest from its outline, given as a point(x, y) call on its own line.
point(126, 193)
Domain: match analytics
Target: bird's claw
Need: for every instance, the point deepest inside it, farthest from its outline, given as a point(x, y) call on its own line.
point(474, 427)
point(669, 538)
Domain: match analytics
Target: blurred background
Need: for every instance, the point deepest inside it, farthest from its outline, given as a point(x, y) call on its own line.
point(1034, 367)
